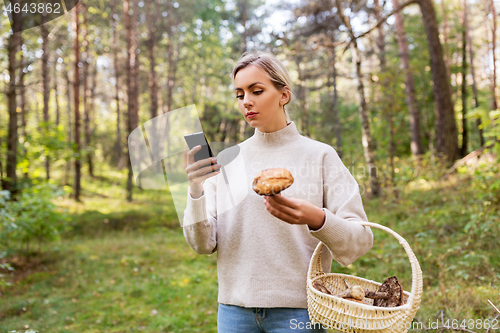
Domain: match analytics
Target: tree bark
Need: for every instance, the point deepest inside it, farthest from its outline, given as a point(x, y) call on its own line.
point(56, 97)
point(22, 100)
point(472, 71)
point(244, 17)
point(91, 126)
point(10, 182)
point(131, 73)
point(446, 128)
point(69, 127)
point(173, 58)
point(130, 106)
point(151, 17)
point(411, 99)
point(463, 148)
point(86, 93)
point(445, 37)
point(332, 81)
point(76, 96)
point(381, 42)
point(118, 142)
point(386, 98)
point(46, 87)
point(301, 93)
point(494, 103)
point(135, 73)
point(367, 140)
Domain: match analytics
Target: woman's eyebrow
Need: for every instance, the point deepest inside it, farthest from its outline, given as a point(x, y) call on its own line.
point(250, 86)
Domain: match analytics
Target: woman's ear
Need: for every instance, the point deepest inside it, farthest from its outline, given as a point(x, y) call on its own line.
point(285, 96)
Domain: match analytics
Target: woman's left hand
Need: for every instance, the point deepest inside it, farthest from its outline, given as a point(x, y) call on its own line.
point(295, 211)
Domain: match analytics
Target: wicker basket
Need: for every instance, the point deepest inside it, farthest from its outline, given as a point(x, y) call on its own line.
point(349, 316)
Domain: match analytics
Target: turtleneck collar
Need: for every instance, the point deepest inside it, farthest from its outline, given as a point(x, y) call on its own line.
point(277, 138)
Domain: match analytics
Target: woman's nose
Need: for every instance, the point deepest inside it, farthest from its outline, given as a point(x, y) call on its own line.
point(246, 101)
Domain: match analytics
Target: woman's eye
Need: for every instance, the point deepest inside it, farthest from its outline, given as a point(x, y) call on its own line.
point(258, 92)
point(239, 96)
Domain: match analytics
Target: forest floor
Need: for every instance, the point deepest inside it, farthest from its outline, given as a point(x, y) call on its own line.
point(125, 267)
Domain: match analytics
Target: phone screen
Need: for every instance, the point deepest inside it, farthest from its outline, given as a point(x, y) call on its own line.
point(196, 139)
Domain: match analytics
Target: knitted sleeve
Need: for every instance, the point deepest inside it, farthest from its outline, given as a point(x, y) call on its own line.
point(200, 222)
point(343, 207)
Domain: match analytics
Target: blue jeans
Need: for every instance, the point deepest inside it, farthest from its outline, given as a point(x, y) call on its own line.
point(235, 319)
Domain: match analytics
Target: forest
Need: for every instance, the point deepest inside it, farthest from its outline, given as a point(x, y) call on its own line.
point(405, 91)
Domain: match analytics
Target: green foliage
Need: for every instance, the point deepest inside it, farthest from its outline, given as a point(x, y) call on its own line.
point(4, 196)
point(48, 142)
point(33, 216)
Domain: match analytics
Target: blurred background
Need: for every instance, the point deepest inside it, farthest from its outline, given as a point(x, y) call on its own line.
point(406, 92)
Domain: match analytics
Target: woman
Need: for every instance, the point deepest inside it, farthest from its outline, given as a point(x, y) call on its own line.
point(264, 244)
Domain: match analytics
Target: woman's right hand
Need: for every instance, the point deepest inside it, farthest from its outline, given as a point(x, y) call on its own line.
point(197, 175)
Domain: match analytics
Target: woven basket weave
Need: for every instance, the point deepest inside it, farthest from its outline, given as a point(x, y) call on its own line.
point(349, 316)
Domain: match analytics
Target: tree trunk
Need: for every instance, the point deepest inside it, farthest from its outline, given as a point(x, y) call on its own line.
point(118, 142)
point(46, 88)
point(335, 111)
point(86, 92)
point(494, 103)
point(151, 17)
point(386, 98)
point(91, 126)
point(76, 96)
point(446, 128)
point(130, 69)
point(22, 99)
point(69, 132)
point(56, 97)
point(244, 17)
point(128, 29)
point(367, 140)
point(463, 148)
point(411, 99)
point(173, 58)
point(381, 43)
point(153, 89)
point(135, 75)
point(10, 183)
point(472, 71)
point(445, 37)
point(301, 93)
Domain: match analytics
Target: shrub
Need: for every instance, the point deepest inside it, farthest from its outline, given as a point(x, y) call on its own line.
point(33, 217)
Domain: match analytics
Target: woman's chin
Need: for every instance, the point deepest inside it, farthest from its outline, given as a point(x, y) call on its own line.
point(251, 122)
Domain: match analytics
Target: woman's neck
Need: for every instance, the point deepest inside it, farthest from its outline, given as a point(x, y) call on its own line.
point(269, 128)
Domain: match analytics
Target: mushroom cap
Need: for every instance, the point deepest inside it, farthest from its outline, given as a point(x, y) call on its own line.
point(272, 181)
point(358, 292)
point(393, 288)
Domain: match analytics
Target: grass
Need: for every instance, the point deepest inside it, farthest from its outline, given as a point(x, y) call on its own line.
point(121, 282)
point(125, 267)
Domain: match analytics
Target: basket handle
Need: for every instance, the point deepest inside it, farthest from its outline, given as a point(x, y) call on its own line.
point(316, 269)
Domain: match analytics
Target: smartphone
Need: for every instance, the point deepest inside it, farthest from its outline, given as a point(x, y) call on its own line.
point(199, 139)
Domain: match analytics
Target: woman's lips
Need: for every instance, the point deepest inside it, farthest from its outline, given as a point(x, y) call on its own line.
point(251, 115)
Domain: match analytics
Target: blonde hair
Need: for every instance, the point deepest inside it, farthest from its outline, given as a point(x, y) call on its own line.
point(274, 68)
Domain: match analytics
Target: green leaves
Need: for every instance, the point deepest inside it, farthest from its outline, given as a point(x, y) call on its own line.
point(33, 216)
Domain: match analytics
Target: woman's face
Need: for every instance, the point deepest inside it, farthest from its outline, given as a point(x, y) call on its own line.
point(259, 101)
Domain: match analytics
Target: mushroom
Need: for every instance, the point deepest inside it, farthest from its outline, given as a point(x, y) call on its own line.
point(272, 181)
point(389, 294)
point(394, 293)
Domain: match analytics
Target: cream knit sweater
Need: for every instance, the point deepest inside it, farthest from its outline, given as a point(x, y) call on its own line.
point(262, 261)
